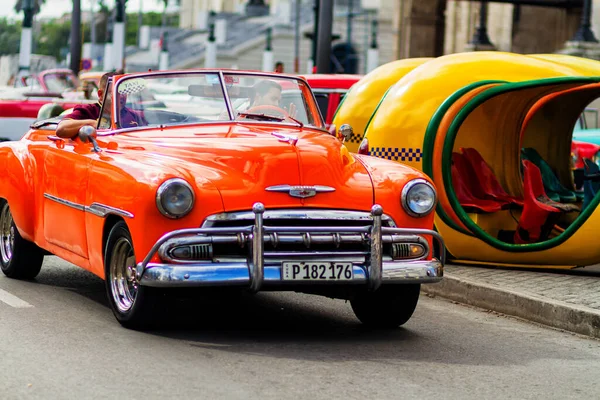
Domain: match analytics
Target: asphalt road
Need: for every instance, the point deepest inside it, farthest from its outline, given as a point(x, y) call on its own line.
point(59, 340)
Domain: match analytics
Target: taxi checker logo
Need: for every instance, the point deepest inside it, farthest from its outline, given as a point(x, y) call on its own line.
point(302, 192)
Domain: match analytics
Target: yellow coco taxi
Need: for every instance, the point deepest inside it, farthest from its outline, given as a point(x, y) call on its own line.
point(493, 130)
point(362, 100)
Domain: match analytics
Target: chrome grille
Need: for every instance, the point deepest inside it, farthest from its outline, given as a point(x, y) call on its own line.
point(301, 243)
point(256, 234)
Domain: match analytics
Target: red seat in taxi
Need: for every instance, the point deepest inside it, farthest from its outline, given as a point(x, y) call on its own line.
point(487, 179)
point(470, 195)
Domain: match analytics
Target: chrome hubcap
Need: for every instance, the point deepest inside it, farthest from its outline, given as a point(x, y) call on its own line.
point(7, 233)
point(123, 281)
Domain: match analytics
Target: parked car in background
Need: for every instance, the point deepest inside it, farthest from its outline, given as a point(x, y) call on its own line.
point(330, 90)
point(51, 82)
point(586, 138)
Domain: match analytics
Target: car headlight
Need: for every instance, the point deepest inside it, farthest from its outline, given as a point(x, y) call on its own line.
point(175, 198)
point(418, 198)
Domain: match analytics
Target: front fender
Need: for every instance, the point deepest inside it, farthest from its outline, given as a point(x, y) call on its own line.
point(389, 178)
point(130, 186)
point(17, 167)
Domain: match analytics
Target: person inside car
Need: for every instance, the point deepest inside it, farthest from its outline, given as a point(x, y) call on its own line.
point(88, 114)
point(83, 114)
point(268, 93)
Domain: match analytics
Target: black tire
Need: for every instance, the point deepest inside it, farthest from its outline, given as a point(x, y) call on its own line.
point(134, 306)
point(19, 258)
point(387, 307)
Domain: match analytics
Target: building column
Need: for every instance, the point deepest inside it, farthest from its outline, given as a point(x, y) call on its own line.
point(26, 36)
point(584, 42)
point(481, 40)
point(267, 60)
point(75, 61)
point(119, 36)
point(210, 55)
point(373, 52)
point(419, 28)
point(257, 8)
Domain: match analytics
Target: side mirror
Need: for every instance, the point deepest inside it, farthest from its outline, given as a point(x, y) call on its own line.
point(88, 134)
point(346, 132)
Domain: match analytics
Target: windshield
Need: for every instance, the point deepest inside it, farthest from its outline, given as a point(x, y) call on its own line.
point(60, 82)
point(186, 98)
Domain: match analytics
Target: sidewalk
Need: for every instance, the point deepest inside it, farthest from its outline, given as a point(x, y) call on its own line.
point(568, 300)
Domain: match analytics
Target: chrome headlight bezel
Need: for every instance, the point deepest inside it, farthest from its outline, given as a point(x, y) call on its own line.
point(164, 187)
point(404, 199)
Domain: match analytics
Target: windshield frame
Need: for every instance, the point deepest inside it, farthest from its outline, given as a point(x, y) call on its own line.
point(230, 110)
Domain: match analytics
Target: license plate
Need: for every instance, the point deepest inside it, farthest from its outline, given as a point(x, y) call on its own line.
point(317, 271)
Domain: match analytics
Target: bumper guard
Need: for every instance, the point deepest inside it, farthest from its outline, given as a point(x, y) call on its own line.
point(255, 273)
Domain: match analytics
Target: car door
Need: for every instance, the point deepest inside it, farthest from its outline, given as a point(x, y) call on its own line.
point(66, 171)
point(65, 181)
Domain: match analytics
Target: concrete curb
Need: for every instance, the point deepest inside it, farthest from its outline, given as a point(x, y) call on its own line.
point(582, 320)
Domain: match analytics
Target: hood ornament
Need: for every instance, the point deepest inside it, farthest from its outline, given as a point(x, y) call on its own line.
point(301, 192)
point(286, 138)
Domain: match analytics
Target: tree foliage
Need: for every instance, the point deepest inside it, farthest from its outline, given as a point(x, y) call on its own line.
point(37, 5)
point(53, 36)
point(150, 18)
point(10, 37)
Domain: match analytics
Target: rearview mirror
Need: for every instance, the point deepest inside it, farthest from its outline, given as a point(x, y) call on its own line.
point(87, 134)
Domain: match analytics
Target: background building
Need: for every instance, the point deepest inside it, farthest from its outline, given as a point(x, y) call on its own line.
point(404, 28)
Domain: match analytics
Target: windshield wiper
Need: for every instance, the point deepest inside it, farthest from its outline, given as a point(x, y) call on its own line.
point(270, 117)
point(261, 116)
point(300, 124)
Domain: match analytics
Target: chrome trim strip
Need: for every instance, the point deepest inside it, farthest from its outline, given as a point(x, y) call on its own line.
point(64, 202)
point(237, 274)
point(98, 209)
point(117, 131)
point(297, 214)
point(300, 191)
point(329, 91)
point(228, 102)
point(102, 210)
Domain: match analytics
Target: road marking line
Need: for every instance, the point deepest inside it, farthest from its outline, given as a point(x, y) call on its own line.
point(13, 300)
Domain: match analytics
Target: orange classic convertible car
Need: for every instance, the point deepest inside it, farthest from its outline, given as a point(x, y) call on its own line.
point(220, 186)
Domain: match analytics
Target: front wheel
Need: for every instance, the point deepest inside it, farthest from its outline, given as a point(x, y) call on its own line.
point(133, 305)
point(19, 258)
point(388, 307)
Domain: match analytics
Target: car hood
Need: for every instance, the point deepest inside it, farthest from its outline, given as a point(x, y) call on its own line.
point(249, 164)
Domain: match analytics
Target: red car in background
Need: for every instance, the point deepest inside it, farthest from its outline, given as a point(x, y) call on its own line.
point(20, 105)
point(329, 90)
point(52, 81)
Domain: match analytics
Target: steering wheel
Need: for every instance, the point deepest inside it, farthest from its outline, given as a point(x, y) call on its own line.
point(268, 110)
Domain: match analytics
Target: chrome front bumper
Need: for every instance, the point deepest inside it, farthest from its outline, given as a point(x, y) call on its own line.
point(257, 271)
